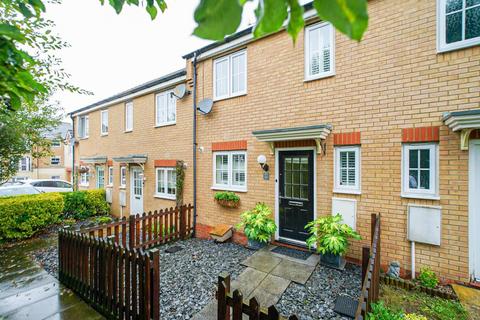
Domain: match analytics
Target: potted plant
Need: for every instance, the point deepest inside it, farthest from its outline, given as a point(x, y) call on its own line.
point(331, 238)
point(227, 199)
point(258, 226)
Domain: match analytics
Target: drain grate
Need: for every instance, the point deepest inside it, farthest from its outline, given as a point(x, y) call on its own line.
point(173, 249)
point(297, 254)
point(346, 306)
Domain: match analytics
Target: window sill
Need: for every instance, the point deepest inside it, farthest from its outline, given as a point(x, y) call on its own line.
point(103, 134)
point(223, 188)
point(230, 97)
point(419, 196)
point(346, 191)
point(84, 185)
point(458, 45)
point(83, 138)
point(322, 76)
point(166, 197)
point(128, 131)
point(166, 124)
point(109, 186)
point(123, 187)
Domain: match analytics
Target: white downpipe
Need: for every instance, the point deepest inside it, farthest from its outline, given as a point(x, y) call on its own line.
point(413, 259)
point(121, 212)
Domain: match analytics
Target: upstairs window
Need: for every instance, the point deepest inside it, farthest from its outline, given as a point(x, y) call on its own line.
point(166, 186)
point(230, 75)
point(165, 109)
point(230, 170)
point(104, 122)
point(55, 161)
point(458, 24)
point(319, 51)
point(83, 127)
point(420, 172)
point(128, 116)
point(347, 169)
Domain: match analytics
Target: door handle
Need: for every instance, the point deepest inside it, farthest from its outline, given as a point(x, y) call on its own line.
point(295, 203)
point(138, 198)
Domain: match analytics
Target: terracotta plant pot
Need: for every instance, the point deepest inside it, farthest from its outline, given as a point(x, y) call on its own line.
point(228, 203)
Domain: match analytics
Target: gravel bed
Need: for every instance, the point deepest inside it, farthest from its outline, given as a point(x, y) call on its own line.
point(316, 299)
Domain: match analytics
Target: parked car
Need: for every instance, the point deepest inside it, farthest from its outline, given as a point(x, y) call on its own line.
point(50, 185)
point(16, 190)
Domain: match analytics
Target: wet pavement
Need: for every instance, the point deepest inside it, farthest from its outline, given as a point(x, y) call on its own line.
point(28, 292)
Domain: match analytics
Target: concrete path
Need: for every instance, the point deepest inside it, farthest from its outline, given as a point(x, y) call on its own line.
point(29, 292)
point(470, 299)
point(266, 278)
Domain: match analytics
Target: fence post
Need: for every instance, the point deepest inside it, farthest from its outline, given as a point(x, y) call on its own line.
point(373, 223)
point(365, 258)
point(222, 292)
point(183, 229)
point(155, 285)
point(131, 231)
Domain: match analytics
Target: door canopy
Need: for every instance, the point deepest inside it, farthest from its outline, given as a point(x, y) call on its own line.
point(463, 121)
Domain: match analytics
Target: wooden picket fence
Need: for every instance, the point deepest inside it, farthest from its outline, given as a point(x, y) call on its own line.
point(233, 307)
point(370, 271)
point(148, 229)
point(108, 266)
point(120, 283)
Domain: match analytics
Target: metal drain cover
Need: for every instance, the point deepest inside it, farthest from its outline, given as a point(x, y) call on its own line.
point(173, 249)
point(346, 306)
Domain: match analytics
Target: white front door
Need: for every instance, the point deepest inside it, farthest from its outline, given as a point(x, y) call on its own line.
point(100, 177)
point(474, 208)
point(136, 190)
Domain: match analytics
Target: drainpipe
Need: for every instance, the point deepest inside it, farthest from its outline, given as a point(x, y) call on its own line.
point(72, 142)
point(194, 151)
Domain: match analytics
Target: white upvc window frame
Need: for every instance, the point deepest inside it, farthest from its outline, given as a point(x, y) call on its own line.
point(84, 179)
point(442, 45)
point(102, 114)
point(338, 187)
point(128, 126)
point(83, 127)
point(55, 157)
point(123, 176)
point(229, 186)
point(98, 169)
point(110, 176)
point(28, 164)
point(228, 58)
point(433, 192)
point(306, 58)
point(164, 171)
point(168, 95)
point(56, 143)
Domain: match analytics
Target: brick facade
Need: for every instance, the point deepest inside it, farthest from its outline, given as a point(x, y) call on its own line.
point(390, 88)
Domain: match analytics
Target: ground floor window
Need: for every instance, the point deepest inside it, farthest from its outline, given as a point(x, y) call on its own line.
point(84, 179)
point(230, 170)
point(110, 176)
point(25, 164)
point(419, 170)
point(100, 177)
point(123, 176)
point(166, 183)
point(55, 161)
point(347, 169)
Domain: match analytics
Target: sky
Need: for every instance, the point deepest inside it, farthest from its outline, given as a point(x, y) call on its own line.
point(110, 53)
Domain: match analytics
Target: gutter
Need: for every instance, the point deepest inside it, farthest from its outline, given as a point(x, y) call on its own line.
point(194, 151)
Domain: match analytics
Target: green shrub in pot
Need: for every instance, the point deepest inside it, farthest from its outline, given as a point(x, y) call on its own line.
point(331, 238)
point(258, 225)
point(227, 199)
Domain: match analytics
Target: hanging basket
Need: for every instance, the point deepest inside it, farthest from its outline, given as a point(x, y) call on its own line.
point(228, 203)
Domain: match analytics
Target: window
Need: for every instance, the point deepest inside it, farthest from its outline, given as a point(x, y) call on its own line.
point(166, 186)
point(100, 177)
point(110, 176)
point(104, 122)
point(129, 116)
point(25, 164)
point(230, 75)
point(347, 169)
point(55, 177)
point(55, 143)
point(84, 179)
point(55, 161)
point(230, 170)
point(165, 109)
point(83, 127)
point(123, 176)
point(319, 51)
point(419, 171)
point(458, 24)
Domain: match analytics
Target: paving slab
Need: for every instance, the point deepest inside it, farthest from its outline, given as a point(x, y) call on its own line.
point(470, 299)
point(311, 261)
point(262, 261)
point(294, 271)
point(248, 280)
point(270, 290)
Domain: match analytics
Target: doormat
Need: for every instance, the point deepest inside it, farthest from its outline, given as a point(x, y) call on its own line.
point(297, 254)
point(346, 306)
point(173, 249)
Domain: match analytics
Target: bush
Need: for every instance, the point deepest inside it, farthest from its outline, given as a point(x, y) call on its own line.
point(84, 204)
point(103, 219)
point(427, 278)
point(414, 316)
point(22, 216)
point(258, 224)
point(227, 196)
point(381, 312)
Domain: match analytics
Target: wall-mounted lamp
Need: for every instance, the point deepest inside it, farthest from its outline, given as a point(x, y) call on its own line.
point(262, 160)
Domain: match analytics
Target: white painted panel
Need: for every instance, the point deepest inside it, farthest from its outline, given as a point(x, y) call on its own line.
point(347, 208)
point(108, 195)
point(424, 224)
point(123, 198)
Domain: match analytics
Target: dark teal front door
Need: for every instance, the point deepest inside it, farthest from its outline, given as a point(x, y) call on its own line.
point(295, 193)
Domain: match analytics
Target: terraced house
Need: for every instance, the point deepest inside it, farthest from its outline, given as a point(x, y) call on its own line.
point(326, 125)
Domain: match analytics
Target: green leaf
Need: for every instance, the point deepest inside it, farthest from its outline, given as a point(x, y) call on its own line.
point(348, 16)
point(37, 5)
point(24, 10)
point(217, 18)
point(117, 5)
point(11, 32)
point(270, 16)
point(152, 11)
point(162, 5)
point(295, 21)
